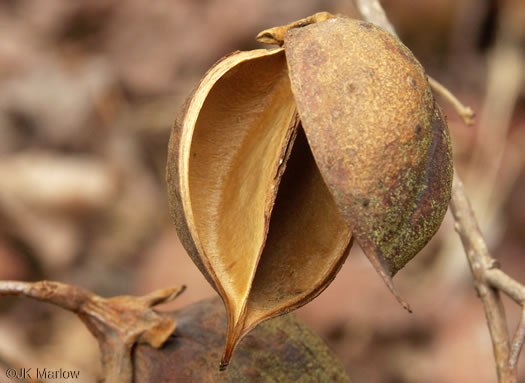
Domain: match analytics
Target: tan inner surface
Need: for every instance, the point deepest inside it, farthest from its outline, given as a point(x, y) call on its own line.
point(235, 153)
point(306, 241)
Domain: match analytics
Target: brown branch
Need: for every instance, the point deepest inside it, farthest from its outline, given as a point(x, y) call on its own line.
point(517, 343)
point(480, 262)
point(465, 112)
point(488, 279)
point(118, 323)
point(506, 284)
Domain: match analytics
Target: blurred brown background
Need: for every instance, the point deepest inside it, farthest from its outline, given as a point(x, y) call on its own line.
point(88, 93)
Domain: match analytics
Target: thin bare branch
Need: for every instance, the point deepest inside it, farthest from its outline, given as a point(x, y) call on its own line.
point(517, 342)
point(480, 261)
point(465, 112)
point(500, 280)
point(69, 297)
point(372, 11)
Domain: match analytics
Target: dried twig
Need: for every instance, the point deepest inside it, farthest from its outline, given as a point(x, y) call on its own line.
point(489, 280)
point(465, 112)
point(480, 262)
point(517, 342)
point(118, 323)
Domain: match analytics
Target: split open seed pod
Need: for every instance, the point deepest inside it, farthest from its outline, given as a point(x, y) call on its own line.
point(281, 156)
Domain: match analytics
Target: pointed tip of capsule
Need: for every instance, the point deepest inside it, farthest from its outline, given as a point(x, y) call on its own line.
point(390, 284)
point(234, 334)
point(405, 305)
point(272, 36)
point(385, 273)
point(393, 290)
point(231, 342)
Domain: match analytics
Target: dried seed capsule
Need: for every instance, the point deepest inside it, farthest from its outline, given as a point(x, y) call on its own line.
point(376, 133)
point(284, 350)
point(268, 240)
point(266, 211)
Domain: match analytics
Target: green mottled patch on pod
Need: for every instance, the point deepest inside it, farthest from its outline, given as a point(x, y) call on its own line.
point(377, 135)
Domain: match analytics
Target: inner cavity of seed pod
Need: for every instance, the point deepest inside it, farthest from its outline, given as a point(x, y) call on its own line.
point(307, 242)
point(243, 127)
